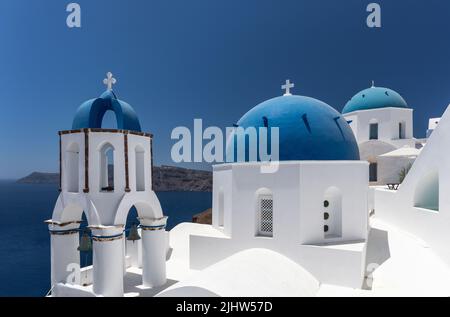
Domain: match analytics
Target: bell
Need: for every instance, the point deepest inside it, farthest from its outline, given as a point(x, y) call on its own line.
point(85, 243)
point(134, 234)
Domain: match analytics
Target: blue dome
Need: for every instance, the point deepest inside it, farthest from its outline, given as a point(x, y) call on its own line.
point(90, 114)
point(375, 98)
point(309, 129)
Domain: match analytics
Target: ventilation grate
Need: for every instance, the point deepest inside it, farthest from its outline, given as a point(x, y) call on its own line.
point(266, 220)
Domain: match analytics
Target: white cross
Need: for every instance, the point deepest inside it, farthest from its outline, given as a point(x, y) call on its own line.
point(288, 87)
point(373, 83)
point(109, 81)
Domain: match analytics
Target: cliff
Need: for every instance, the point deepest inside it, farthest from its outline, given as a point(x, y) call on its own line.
point(165, 178)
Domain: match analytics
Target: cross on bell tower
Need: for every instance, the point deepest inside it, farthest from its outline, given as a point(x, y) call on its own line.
point(109, 81)
point(288, 87)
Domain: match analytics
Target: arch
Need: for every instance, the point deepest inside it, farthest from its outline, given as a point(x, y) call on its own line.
point(72, 168)
point(69, 208)
point(109, 120)
point(264, 212)
point(139, 153)
point(90, 114)
point(426, 194)
point(106, 167)
point(332, 205)
point(147, 206)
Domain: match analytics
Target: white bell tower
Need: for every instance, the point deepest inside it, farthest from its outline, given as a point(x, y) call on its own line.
point(104, 173)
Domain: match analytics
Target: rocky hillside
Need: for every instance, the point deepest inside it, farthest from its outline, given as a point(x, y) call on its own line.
point(170, 178)
point(40, 178)
point(165, 178)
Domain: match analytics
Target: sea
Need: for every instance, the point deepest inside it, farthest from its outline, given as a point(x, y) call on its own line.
point(25, 241)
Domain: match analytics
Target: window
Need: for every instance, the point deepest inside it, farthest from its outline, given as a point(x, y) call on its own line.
point(72, 168)
point(265, 204)
point(373, 133)
point(140, 169)
point(373, 172)
point(401, 130)
point(107, 168)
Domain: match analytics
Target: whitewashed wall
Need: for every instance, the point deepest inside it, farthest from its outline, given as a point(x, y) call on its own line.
point(387, 119)
point(398, 207)
point(298, 190)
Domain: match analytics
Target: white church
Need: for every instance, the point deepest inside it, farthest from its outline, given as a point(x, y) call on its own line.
point(383, 126)
point(312, 227)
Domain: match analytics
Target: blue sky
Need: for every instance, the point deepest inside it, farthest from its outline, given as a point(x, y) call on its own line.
point(176, 60)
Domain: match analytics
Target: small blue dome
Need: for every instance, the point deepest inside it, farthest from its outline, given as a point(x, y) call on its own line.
point(90, 114)
point(309, 129)
point(375, 98)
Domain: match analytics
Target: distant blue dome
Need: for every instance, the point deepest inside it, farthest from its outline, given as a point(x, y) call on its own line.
point(90, 114)
point(309, 129)
point(375, 98)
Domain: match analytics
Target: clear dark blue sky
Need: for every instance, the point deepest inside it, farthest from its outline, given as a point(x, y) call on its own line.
point(177, 60)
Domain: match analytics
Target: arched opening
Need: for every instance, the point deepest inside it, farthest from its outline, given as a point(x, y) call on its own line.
point(221, 207)
point(72, 158)
point(85, 249)
point(107, 168)
point(332, 216)
point(132, 247)
point(145, 247)
point(427, 192)
point(264, 213)
point(109, 120)
point(71, 246)
point(140, 168)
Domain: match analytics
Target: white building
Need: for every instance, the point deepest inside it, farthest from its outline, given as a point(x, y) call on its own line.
point(382, 122)
point(308, 210)
point(421, 205)
point(104, 173)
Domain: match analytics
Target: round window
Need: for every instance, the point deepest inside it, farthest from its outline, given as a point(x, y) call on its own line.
point(326, 216)
point(325, 228)
point(326, 203)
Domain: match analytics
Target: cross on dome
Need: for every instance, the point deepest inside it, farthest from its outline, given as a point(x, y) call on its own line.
point(109, 81)
point(288, 87)
point(373, 83)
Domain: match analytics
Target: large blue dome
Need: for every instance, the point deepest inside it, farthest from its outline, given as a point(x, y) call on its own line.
point(309, 129)
point(375, 98)
point(90, 114)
